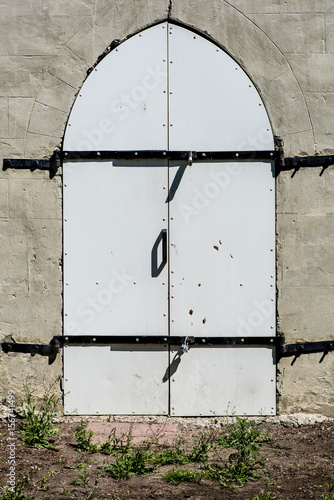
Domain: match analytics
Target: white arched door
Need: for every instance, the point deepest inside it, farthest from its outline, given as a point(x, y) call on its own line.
point(169, 231)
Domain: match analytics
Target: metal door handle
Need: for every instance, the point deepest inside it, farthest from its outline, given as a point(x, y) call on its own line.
point(164, 245)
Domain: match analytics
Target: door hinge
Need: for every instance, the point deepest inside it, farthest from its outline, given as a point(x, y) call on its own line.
point(52, 164)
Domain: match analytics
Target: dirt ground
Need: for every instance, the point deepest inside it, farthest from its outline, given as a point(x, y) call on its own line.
point(298, 464)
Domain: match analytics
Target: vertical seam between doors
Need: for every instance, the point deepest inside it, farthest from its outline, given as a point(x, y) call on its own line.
point(168, 225)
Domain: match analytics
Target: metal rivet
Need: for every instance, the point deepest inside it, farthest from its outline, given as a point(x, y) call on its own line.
point(94, 339)
point(137, 340)
point(242, 340)
point(136, 154)
point(172, 298)
point(163, 283)
point(271, 340)
point(164, 314)
point(241, 284)
point(236, 154)
point(66, 338)
point(172, 286)
point(135, 282)
point(171, 125)
point(203, 340)
point(165, 339)
point(98, 153)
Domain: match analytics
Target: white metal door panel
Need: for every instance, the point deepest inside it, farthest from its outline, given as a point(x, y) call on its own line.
point(222, 240)
point(123, 103)
point(113, 216)
point(104, 380)
point(222, 262)
point(214, 106)
point(224, 380)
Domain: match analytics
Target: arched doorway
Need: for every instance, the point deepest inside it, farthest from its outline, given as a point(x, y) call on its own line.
point(169, 233)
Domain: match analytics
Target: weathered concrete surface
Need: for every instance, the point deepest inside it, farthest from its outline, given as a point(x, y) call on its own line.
point(287, 48)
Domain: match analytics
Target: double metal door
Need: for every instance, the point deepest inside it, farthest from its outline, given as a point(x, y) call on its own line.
point(155, 247)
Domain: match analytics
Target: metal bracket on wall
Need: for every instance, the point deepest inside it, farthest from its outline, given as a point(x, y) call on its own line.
point(299, 348)
point(296, 162)
point(52, 164)
point(51, 350)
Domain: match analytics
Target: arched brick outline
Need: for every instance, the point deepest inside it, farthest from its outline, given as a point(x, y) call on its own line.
point(224, 24)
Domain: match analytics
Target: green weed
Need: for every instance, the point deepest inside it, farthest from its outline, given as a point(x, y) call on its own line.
point(39, 425)
point(246, 439)
point(83, 478)
point(264, 496)
point(84, 438)
point(44, 486)
point(126, 465)
point(176, 476)
point(17, 494)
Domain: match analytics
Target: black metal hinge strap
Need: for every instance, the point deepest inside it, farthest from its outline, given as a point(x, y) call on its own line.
point(299, 348)
point(297, 162)
point(171, 155)
point(72, 340)
point(51, 350)
point(52, 164)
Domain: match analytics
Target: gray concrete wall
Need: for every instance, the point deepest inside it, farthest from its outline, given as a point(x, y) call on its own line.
point(286, 47)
